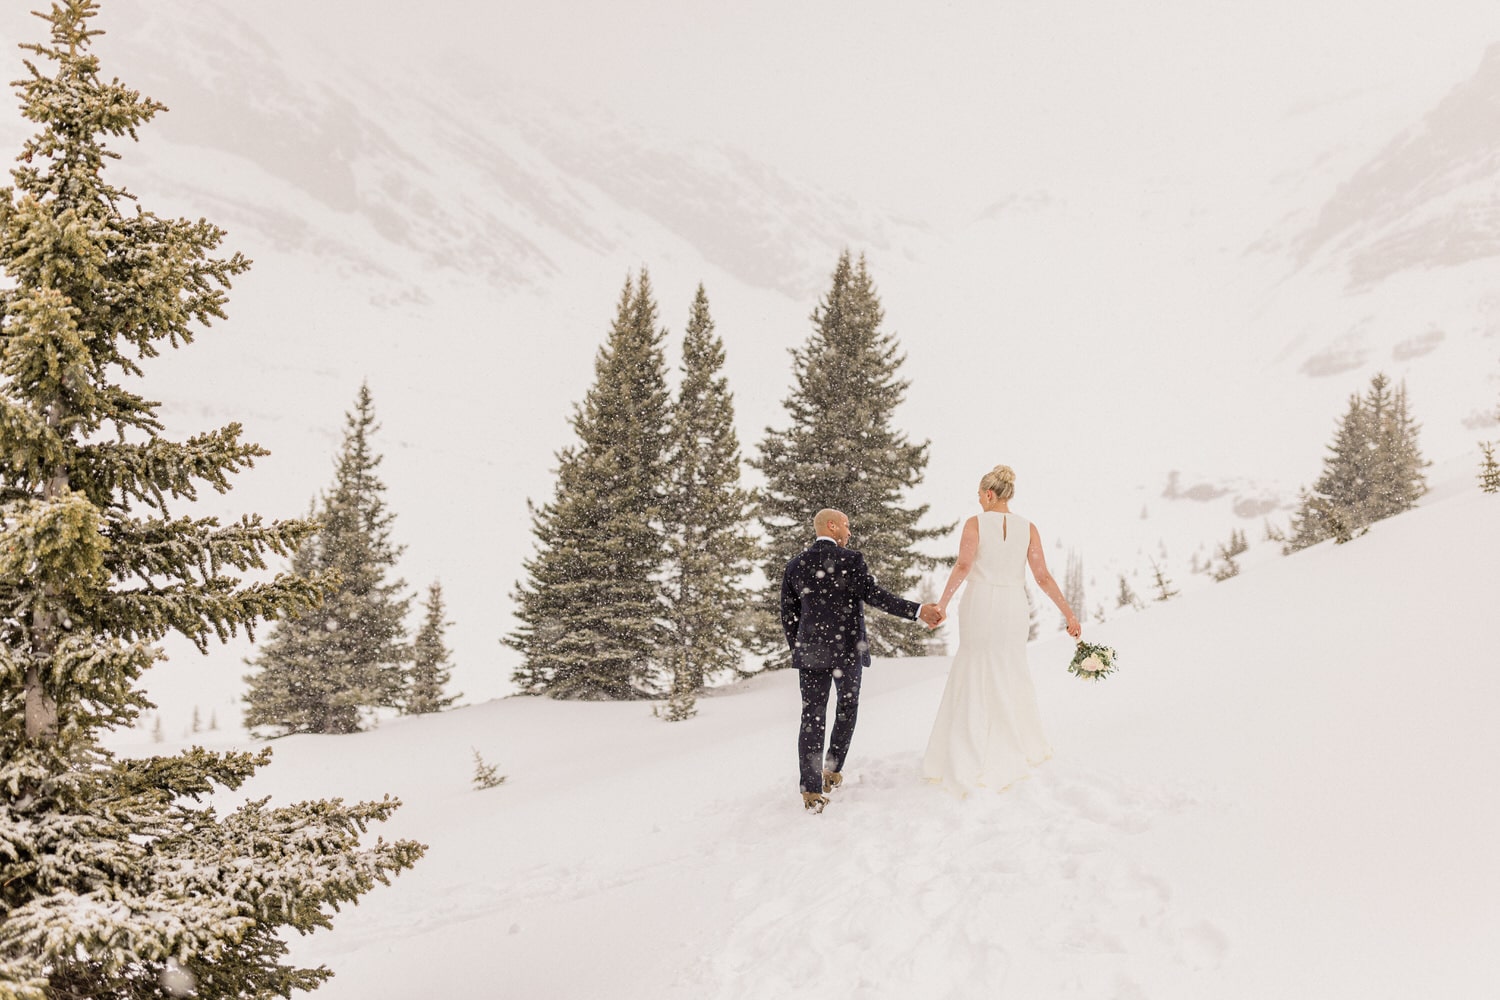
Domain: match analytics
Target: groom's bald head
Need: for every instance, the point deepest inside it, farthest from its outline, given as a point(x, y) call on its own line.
point(832, 524)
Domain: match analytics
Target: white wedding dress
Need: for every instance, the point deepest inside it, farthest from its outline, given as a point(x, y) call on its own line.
point(988, 730)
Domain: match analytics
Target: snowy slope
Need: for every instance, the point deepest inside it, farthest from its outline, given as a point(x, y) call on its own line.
point(1283, 792)
point(1116, 245)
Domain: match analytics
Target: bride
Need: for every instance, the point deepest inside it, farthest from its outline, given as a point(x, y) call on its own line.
point(988, 730)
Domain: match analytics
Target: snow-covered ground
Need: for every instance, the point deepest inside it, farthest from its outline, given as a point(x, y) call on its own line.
point(1288, 790)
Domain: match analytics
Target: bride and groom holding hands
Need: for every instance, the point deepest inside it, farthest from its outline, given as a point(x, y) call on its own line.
point(988, 729)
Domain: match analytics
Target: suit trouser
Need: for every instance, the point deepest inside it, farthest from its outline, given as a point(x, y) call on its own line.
point(815, 685)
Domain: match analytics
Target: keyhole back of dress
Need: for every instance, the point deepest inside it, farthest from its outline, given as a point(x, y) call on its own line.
point(1004, 528)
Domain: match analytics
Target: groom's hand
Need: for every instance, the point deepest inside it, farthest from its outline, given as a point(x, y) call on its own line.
point(931, 615)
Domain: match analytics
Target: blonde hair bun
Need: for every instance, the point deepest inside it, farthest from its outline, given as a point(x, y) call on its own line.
point(1002, 480)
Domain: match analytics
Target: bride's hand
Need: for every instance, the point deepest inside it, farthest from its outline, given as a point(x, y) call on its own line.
point(1074, 629)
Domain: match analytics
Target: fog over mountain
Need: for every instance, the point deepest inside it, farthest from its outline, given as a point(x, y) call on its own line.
point(1142, 255)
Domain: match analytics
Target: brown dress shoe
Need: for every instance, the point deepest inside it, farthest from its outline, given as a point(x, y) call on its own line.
point(813, 801)
point(831, 780)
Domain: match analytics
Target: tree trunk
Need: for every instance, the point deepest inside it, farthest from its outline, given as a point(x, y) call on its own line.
point(41, 707)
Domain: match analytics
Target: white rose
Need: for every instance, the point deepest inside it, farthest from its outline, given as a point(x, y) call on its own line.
point(1092, 664)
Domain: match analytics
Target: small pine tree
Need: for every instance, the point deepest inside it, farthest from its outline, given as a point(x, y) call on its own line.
point(158, 731)
point(1227, 553)
point(1164, 591)
point(213, 720)
point(1489, 469)
point(843, 449)
point(427, 683)
point(1126, 596)
point(706, 520)
point(114, 873)
point(486, 775)
point(197, 723)
point(590, 607)
point(323, 670)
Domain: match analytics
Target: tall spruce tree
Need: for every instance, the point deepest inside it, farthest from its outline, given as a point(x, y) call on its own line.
point(844, 450)
point(321, 671)
point(707, 521)
point(113, 874)
point(590, 609)
point(431, 671)
point(1373, 469)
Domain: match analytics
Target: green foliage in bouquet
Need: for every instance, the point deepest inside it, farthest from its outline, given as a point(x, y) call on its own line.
point(1092, 662)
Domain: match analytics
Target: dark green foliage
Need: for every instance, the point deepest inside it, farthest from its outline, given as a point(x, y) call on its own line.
point(321, 671)
point(842, 449)
point(1373, 470)
point(706, 520)
point(427, 683)
point(112, 873)
point(591, 609)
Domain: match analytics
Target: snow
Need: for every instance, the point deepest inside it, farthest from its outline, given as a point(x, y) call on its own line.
point(1286, 790)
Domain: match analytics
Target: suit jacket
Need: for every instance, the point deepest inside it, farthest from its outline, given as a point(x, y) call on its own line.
point(824, 591)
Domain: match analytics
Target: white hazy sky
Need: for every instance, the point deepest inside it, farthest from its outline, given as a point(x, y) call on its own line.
point(886, 97)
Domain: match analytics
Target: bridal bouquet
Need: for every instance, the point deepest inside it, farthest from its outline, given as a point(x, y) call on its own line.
point(1092, 662)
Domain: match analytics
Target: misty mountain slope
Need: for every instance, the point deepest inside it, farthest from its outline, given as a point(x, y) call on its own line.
point(1428, 199)
point(1278, 794)
point(455, 170)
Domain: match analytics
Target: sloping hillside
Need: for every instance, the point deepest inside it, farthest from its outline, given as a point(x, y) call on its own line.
point(1283, 792)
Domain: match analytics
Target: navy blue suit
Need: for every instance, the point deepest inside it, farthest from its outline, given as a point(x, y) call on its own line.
point(824, 591)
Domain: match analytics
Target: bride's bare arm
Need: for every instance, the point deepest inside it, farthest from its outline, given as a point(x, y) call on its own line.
point(1037, 559)
point(968, 545)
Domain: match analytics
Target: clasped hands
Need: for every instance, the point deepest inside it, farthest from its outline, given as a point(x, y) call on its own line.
point(931, 615)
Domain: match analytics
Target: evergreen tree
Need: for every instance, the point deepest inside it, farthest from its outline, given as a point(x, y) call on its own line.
point(706, 519)
point(1489, 469)
point(427, 683)
point(1373, 469)
point(843, 450)
point(486, 775)
point(1227, 553)
point(321, 671)
point(1033, 620)
point(1164, 591)
point(112, 872)
point(590, 610)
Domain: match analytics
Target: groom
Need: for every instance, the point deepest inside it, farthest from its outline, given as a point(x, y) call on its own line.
point(824, 591)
